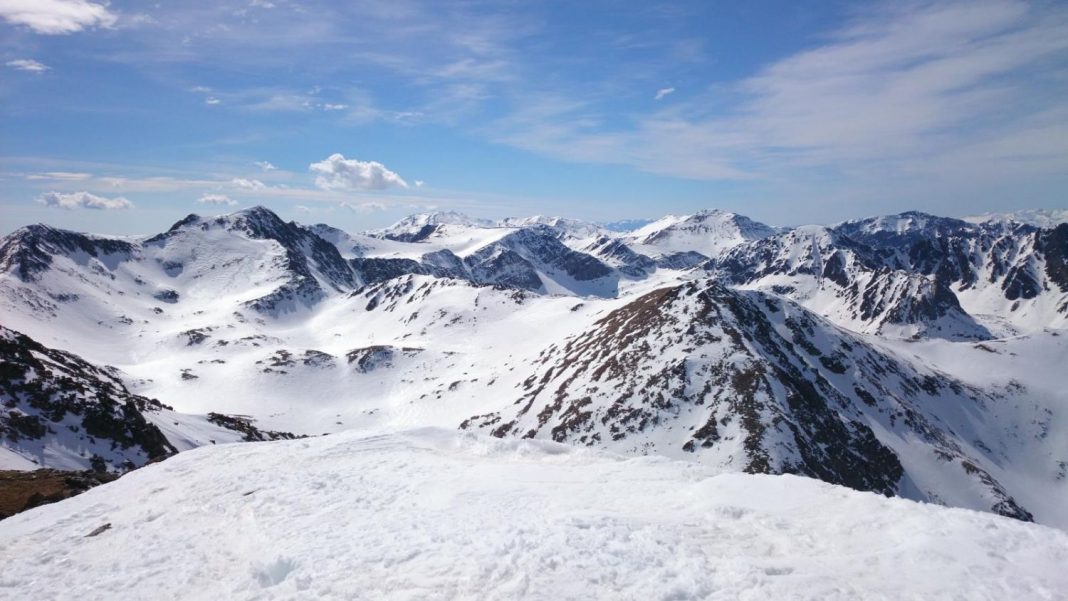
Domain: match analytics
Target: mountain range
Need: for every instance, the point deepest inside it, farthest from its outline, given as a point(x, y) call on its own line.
point(909, 355)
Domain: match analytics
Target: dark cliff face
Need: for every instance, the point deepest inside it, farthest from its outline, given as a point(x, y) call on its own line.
point(1054, 244)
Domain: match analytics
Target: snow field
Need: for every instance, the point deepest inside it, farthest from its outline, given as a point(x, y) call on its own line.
point(434, 514)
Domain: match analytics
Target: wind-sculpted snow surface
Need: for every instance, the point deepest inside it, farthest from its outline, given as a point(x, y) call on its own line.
point(432, 514)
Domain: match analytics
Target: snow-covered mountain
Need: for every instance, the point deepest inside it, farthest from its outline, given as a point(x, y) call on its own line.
point(708, 232)
point(914, 274)
point(1046, 218)
point(758, 385)
point(567, 229)
point(416, 228)
point(433, 514)
point(825, 351)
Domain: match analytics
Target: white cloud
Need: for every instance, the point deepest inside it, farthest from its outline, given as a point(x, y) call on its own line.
point(302, 209)
point(419, 183)
point(56, 17)
point(216, 199)
point(65, 176)
point(335, 107)
point(28, 64)
point(338, 173)
point(248, 184)
point(83, 200)
point(663, 92)
point(212, 101)
point(266, 165)
point(364, 207)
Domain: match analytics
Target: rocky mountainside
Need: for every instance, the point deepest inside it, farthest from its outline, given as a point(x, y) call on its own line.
point(914, 274)
point(58, 410)
point(756, 384)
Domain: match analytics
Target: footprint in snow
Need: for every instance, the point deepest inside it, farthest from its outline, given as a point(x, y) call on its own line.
point(274, 572)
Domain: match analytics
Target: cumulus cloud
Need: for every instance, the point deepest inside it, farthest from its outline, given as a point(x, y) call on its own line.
point(56, 17)
point(364, 207)
point(248, 184)
point(83, 200)
point(265, 165)
point(28, 64)
point(663, 92)
point(216, 199)
point(212, 101)
point(338, 173)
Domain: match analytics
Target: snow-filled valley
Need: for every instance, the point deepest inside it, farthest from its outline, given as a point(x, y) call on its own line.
point(612, 398)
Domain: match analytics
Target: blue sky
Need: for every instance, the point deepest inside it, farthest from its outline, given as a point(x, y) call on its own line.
point(122, 117)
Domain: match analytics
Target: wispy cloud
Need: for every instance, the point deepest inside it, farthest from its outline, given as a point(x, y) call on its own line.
point(265, 165)
point(216, 199)
point(364, 207)
point(252, 185)
point(83, 200)
point(56, 17)
point(904, 88)
point(28, 64)
point(338, 173)
point(663, 93)
point(66, 176)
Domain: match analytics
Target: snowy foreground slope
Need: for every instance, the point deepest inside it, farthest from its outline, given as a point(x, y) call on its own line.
point(434, 514)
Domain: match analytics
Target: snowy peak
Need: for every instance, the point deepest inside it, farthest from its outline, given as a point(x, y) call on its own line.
point(29, 250)
point(416, 228)
point(907, 223)
point(313, 265)
point(709, 232)
point(1043, 218)
point(568, 229)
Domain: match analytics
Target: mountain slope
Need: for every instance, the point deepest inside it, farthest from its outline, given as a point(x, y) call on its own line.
point(432, 514)
point(754, 384)
point(59, 411)
point(849, 283)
